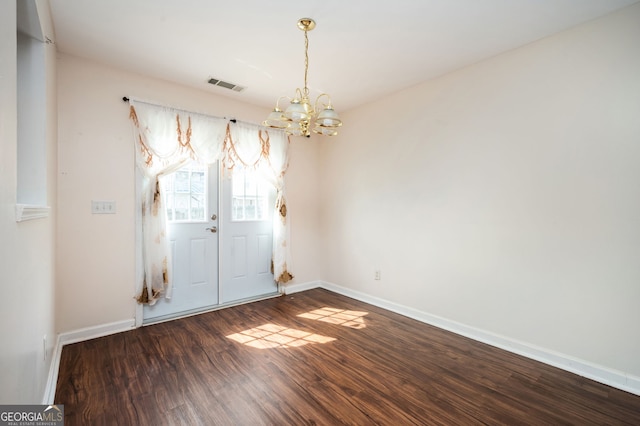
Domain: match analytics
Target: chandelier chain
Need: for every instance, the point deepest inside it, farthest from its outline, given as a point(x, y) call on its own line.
point(306, 61)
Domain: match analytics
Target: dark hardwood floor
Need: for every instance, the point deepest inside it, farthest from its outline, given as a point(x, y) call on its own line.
point(291, 361)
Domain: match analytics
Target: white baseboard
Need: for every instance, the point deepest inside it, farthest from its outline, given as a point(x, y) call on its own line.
point(76, 336)
point(101, 330)
point(296, 288)
point(52, 377)
point(598, 373)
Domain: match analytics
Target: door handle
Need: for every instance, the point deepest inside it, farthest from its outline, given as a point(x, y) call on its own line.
point(213, 229)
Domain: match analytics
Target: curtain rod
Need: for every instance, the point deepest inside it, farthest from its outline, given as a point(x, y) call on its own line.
point(233, 120)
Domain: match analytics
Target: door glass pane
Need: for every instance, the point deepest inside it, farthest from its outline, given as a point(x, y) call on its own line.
point(185, 194)
point(249, 195)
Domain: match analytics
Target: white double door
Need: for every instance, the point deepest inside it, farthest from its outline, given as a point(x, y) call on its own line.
point(220, 234)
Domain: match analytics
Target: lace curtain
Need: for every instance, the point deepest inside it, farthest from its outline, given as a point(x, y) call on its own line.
point(167, 138)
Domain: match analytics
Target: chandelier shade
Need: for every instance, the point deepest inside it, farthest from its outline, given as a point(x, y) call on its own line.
point(328, 118)
point(300, 116)
point(276, 119)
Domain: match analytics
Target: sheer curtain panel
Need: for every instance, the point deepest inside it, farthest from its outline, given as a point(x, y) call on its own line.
point(165, 139)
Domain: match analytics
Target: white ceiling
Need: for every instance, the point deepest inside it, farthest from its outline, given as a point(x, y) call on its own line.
point(360, 50)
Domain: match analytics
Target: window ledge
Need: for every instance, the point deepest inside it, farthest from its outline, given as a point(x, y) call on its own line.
point(31, 212)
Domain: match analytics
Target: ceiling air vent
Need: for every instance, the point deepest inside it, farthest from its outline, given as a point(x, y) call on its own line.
point(226, 85)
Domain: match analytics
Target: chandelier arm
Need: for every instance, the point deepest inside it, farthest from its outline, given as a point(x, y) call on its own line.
point(318, 100)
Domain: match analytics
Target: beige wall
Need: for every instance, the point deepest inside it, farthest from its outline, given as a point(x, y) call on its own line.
point(96, 253)
point(27, 257)
point(503, 196)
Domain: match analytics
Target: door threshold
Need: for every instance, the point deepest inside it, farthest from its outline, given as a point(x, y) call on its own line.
point(192, 312)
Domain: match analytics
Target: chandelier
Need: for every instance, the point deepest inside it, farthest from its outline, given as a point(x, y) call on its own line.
point(301, 116)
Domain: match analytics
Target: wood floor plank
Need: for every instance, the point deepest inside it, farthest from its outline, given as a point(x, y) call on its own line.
point(318, 358)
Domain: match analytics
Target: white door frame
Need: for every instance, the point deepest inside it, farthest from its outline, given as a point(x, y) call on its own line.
point(139, 269)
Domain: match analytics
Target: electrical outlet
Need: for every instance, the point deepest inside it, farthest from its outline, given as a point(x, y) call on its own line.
point(376, 275)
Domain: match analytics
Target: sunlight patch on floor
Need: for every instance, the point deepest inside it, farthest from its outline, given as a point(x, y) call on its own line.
point(269, 336)
point(353, 319)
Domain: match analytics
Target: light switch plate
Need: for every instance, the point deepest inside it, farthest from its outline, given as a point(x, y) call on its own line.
point(103, 207)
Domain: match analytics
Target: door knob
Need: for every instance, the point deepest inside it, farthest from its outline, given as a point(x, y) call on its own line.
point(213, 229)
point(214, 216)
